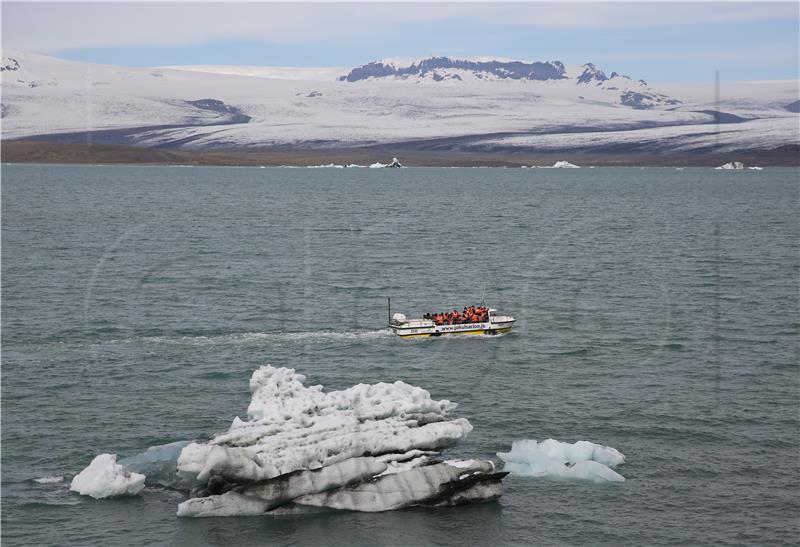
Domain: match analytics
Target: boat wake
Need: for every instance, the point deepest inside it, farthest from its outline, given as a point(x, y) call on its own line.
point(320, 336)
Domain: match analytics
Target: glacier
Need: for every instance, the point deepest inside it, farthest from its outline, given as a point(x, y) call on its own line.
point(582, 460)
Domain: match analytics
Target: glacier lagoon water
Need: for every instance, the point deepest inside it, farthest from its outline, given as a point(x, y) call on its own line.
point(657, 313)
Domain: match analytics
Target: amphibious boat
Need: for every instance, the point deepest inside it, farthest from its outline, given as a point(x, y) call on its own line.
point(486, 322)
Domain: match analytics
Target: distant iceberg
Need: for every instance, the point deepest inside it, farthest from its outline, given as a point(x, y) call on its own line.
point(551, 458)
point(394, 164)
point(563, 164)
point(731, 165)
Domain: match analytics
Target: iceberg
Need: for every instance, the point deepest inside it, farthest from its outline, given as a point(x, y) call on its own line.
point(371, 447)
point(394, 163)
point(582, 460)
point(731, 165)
point(564, 165)
point(105, 478)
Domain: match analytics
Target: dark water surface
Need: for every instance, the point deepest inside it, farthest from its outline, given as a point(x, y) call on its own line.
point(658, 314)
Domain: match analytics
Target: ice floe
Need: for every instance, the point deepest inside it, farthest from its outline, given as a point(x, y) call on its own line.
point(582, 460)
point(105, 478)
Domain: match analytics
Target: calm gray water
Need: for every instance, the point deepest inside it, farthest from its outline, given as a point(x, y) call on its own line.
point(658, 314)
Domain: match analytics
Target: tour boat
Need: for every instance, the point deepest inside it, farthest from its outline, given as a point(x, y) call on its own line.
point(494, 324)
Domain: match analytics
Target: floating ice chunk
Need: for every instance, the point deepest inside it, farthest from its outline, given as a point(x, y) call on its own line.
point(731, 165)
point(564, 165)
point(105, 478)
point(581, 460)
point(756, 168)
point(438, 484)
point(49, 480)
point(394, 163)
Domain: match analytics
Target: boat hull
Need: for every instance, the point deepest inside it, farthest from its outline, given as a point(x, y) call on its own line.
point(479, 329)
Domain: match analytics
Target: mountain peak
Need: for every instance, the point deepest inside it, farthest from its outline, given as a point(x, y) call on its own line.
point(444, 68)
point(592, 74)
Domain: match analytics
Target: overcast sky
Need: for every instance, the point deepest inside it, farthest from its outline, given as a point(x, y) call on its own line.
point(657, 41)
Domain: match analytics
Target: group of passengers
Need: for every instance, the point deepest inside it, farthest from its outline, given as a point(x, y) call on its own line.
point(472, 314)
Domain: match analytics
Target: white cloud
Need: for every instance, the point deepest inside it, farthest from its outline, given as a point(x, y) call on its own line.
point(53, 26)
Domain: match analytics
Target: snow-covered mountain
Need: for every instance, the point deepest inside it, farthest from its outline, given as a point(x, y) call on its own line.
point(436, 103)
point(633, 93)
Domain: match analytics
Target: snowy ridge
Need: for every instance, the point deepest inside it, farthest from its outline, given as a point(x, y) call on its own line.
point(322, 74)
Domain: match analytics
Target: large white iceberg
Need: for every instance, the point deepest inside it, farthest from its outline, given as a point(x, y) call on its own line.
point(105, 478)
point(581, 460)
point(300, 444)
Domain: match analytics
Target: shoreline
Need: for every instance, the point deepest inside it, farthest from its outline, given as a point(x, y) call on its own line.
point(20, 151)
